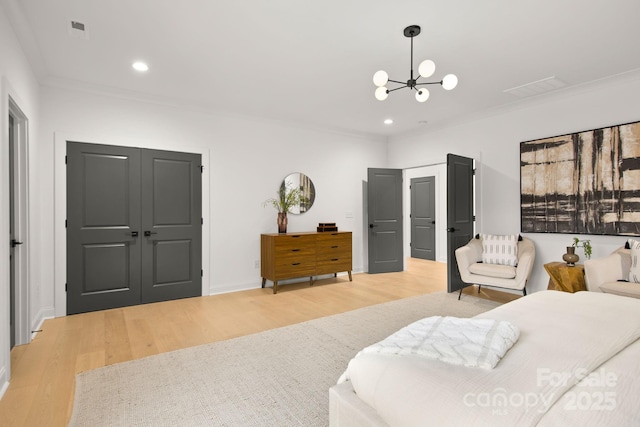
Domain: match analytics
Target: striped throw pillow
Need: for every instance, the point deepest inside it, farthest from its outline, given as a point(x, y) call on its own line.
point(500, 249)
point(634, 271)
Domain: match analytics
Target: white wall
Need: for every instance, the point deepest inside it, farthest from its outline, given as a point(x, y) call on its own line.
point(494, 141)
point(18, 82)
point(248, 159)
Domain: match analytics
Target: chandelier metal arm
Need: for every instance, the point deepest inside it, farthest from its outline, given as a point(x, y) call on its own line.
point(398, 88)
point(430, 83)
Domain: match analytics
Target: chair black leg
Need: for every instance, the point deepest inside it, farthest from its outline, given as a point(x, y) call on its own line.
point(460, 294)
point(524, 291)
point(479, 287)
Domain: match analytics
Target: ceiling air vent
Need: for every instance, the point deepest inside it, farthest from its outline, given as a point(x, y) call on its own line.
point(78, 30)
point(536, 88)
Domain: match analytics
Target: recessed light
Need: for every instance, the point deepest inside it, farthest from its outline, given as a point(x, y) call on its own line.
point(140, 66)
point(388, 121)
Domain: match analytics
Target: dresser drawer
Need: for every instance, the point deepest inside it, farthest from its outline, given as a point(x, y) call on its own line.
point(334, 238)
point(295, 244)
point(300, 267)
point(333, 265)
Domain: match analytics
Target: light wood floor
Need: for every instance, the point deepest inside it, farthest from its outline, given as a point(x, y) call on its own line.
point(43, 372)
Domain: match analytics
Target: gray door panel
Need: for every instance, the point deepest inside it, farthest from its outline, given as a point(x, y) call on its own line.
point(384, 193)
point(172, 251)
point(103, 210)
point(423, 218)
point(134, 226)
point(460, 220)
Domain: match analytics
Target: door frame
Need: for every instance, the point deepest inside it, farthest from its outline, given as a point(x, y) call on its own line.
point(21, 220)
point(439, 170)
point(60, 206)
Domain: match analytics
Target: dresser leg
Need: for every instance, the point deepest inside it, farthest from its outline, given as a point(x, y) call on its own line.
point(264, 282)
point(275, 286)
point(350, 279)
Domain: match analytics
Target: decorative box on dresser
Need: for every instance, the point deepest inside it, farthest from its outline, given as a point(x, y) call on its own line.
point(292, 255)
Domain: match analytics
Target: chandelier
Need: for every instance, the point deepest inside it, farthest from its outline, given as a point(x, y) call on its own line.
point(425, 70)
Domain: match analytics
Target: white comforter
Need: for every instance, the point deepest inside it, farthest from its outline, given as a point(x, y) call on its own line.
point(475, 343)
point(576, 363)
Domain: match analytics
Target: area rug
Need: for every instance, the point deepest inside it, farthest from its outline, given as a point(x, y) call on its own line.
point(280, 377)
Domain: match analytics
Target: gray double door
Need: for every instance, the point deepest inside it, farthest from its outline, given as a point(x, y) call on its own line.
point(134, 226)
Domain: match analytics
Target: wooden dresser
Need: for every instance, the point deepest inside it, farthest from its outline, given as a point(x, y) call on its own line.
point(291, 255)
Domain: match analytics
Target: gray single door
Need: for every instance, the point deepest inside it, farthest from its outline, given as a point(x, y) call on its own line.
point(460, 219)
point(384, 208)
point(423, 218)
point(134, 226)
point(171, 225)
point(103, 227)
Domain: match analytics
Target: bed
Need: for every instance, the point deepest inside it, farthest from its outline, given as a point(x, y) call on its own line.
point(576, 362)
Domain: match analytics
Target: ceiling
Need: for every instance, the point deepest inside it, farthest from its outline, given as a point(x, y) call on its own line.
point(312, 62)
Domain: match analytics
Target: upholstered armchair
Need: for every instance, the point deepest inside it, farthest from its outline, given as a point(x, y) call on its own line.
point(610, 274)
point(475, 271)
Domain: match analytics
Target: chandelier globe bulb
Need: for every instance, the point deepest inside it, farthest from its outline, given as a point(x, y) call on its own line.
point(450, 81)
point(427, 68)
point(381, 93)
point(422, 95)
point(380, 78)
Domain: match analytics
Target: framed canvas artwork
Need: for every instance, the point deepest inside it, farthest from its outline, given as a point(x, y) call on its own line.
point(582, 183)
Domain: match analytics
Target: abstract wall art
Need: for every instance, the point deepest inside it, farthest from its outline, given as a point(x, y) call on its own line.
point(582, 183)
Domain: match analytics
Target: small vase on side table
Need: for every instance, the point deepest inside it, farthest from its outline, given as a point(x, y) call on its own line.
point(571, 257)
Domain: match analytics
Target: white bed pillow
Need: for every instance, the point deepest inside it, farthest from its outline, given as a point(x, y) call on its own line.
point(500, 249)
point(634, 271)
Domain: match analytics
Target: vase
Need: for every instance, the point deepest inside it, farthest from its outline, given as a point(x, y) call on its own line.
point(282, 222)
point(571, 257)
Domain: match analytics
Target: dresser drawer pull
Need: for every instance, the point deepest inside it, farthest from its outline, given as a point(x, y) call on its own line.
point(295, 250)
point(335, 259)
point(295, 263)
point(295, 236)
point(334, 246)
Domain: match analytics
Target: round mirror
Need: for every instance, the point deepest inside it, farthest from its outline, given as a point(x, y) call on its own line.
point(304, 193)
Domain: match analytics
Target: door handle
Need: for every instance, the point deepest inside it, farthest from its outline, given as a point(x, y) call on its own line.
point(433, 222)
point(451, 230)
point(372, 225)
point(149, 233)
point(134, 234)
point(15, 243)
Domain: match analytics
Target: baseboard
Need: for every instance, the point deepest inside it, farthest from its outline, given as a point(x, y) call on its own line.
point(4, 381)
point(43, 314)
point(225, 289)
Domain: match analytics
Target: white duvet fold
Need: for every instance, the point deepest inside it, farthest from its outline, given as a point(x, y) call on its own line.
point(474, 343)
